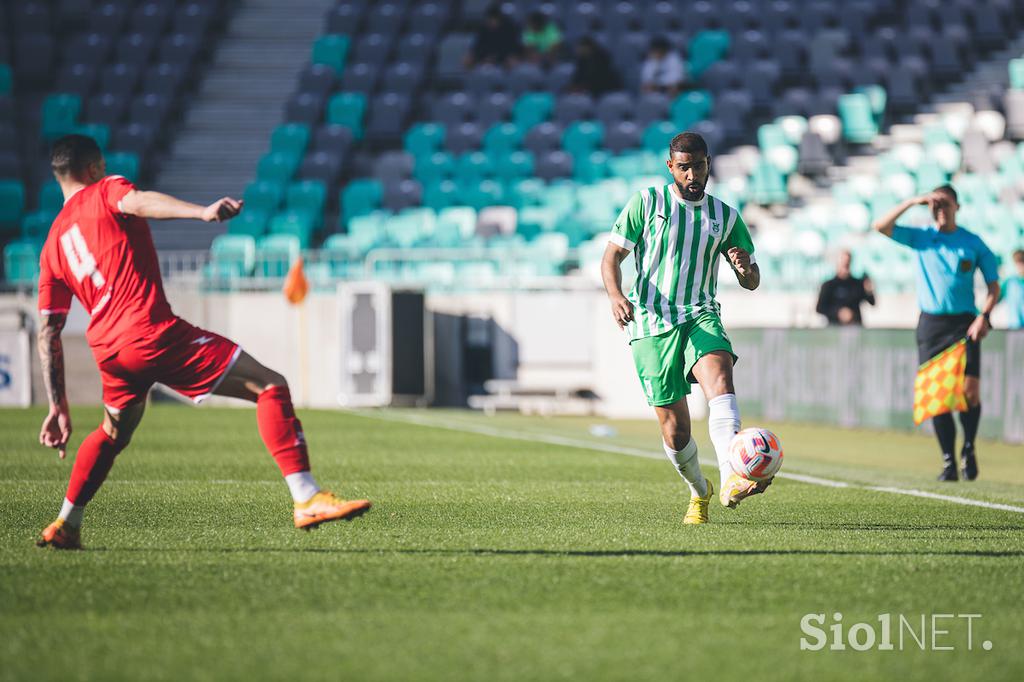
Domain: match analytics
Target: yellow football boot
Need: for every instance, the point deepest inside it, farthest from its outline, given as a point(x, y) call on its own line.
point(324, 506)
point(737, 489)
point(697, 512)
point(60, 536)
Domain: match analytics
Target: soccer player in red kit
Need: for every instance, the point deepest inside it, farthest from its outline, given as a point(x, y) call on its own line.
point(100, 251)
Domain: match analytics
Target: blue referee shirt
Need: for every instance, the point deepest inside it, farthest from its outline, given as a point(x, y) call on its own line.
point(946, 262)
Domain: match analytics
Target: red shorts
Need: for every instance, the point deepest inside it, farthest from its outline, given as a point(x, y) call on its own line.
point(190, 360)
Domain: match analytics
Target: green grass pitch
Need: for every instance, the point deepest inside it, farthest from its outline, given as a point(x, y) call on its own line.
point(494, 558)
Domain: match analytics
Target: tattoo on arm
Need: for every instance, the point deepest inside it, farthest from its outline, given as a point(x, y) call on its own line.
point(51, 357)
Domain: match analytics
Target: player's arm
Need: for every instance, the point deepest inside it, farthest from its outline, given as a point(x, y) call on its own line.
point(56, 430)
point(989, 267)
point(160, 206)
point(611, 274)
point(747, 273)
point(887, 222)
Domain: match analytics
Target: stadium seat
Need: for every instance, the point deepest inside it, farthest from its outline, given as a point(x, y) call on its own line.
point(348, 109)
point(6, 79)
point(474, 167)
point(275, 254)
point(361, 197)
point(706, 48)
point(331, 50)
point(298, 223)
point(123, 163)
point(461, 220)
point(277, 167)
point(36, 225)
point(21, 262)
point(368, 231)
point(51, 198)
point(658, 135)
point(440, 194)
point(252, 222)
point(309, 196)
point(582, 137)
point(60, 115)
point(263, 195)
point(503, 138)
point(514, 166)
point(858, 118)
point(12, 204)
point(232, 256)
point(689, 108)
point(290, 138)
point(424, 139)
point(532, 108)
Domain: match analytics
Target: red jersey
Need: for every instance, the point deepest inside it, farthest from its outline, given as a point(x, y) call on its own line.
point(107, 260)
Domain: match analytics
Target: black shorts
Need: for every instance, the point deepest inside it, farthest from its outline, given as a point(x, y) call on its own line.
point(936, 333)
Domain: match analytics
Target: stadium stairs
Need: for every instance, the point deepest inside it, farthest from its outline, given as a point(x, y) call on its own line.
point(238, 104)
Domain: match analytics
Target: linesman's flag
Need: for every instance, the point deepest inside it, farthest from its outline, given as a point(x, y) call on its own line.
point(939, 387)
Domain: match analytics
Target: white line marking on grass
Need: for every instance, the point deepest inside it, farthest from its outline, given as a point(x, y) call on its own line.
point(552, 439)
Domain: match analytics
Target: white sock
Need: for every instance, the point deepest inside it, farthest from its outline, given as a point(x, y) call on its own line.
point(302, 486)
point(688, 466)
point(723, 424)
point(71, 514)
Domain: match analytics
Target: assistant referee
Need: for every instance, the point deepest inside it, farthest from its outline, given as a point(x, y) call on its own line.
point(947, 256)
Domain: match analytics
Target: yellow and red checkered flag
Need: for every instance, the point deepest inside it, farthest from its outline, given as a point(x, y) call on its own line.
point(939, 387)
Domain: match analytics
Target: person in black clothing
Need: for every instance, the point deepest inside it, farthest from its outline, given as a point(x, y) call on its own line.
point(497, 40)
point(841, 296)
point(594, 72)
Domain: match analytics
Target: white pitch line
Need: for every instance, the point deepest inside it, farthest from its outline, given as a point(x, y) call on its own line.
point(605, 447)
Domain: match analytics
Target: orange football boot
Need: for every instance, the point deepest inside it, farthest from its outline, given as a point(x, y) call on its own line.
point(324, 506)
point(59, 536)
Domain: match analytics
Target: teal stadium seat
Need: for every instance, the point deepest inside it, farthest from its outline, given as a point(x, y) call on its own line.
point(361, 197)
point(251, 221)
point(768, 186)
point(657, 136)
point(290, 138)
point(232, 256)
point(527, 191)
point(771, 135)
point(473, 167)
point(277, 166)
point(12, 204)
point(368, 231)
point(275, 254)
point(858, 119)
point(263, 195)
point(21, 262)
point(591, 166)
point(295, 222)
point(877, 96)
point(532, 108)
point(309, 196)
point(503, 138)
point(514, 166)
point(341, 256)
point(480, 194)
point(99, 133)
point(423, 139)
point(1016, 67)
point(332, 50)
point(440, 194)
point(690, 108)
point(36, 225)
point(706, 48)
point(348, 109)
point(125, 164)
point(411, 227)
point(60, 115)
point(583, 137)
point(51, 198)
point(6, 80)
point(434, 167)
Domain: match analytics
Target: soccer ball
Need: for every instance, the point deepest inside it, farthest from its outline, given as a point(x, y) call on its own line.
point(755, 454)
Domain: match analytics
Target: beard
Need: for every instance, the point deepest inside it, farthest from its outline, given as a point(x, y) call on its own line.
point(693, 191)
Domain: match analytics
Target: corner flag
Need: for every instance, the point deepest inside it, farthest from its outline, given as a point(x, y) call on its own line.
point(939, 387)
point(295, 284)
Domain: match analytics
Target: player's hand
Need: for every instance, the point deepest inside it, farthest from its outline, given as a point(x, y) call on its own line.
point(622, 311)
point(740, 260)
point(56, 431)
point(221, 210)
point(979, 329)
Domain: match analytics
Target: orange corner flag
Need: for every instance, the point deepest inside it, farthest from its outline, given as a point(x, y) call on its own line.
point(939, 387)
point(296, 286)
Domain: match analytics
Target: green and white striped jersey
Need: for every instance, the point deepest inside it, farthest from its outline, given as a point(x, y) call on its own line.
point(676, 244)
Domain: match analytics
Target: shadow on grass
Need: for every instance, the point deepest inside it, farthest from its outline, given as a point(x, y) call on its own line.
point(595, 553)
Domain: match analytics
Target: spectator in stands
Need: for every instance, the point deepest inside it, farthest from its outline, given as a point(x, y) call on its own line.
point(840, 297)
point(497, 40)
point(541, 38)
point(594, 72)
point(663, 70)
point(1012, 293)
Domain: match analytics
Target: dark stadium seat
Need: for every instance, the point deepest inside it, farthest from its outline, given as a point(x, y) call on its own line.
point(650, 107)
point(554, 164)
point(151, 18)
point(305, 107)
point(494, 108)
point(336, 139)
point(322, 165)
point(108, 108)
point(402, 194)
point(622, 136)
point(417, 48)
point(388, 116)
point(77, 79)
point(543, 138)
point(373, 48)
point(318, 79)
point(463, 137)
point(360, 77)
point(573, 107)
point(33, 57)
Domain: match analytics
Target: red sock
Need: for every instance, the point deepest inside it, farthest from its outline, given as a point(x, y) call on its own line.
point(281, 430)
point(93, 460)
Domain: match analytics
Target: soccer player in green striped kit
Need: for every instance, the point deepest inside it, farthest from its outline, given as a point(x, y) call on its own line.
point(676, 233)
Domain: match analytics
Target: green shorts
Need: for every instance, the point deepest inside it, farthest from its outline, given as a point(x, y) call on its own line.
point(665, 362)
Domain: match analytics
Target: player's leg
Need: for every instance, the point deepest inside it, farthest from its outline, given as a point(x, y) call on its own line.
point(283, 436)
point(93, 461)
point(970, 419)
point(659, 365)
point(713, 371)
